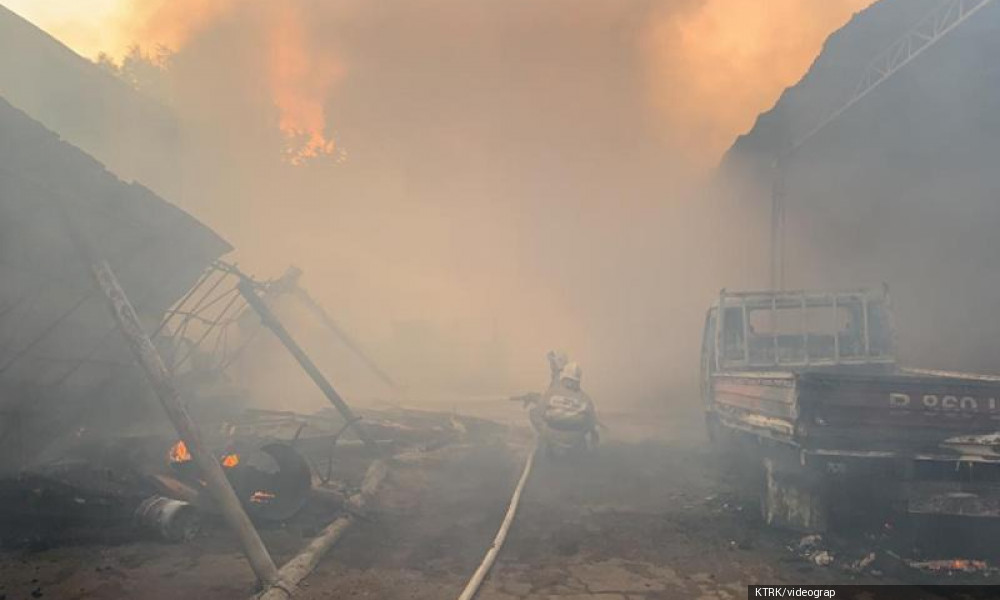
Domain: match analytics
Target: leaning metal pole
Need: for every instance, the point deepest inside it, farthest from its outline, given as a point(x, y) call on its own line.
point(289, 284)
point(270, 320)
point(296, 569)
point(218, 486)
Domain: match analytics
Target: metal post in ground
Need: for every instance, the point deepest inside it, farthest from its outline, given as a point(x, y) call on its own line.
point(215, 479)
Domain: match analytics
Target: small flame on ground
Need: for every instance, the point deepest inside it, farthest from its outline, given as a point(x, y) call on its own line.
point(179, 452)
point(261, 497)
point(965, 564)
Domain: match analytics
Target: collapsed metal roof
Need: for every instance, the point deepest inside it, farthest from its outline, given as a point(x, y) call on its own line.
point(58, 346)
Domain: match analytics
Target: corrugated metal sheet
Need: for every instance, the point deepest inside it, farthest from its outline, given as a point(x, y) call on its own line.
point(58, 347)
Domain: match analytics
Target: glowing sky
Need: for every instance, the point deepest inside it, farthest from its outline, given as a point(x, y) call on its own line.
point(713, 65)
point(80, 24)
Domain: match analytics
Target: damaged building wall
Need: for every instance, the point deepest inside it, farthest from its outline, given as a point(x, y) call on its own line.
point(64, 371)
point(901, 189)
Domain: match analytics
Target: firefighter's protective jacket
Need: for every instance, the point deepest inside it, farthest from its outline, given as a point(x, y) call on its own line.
point(567, 409)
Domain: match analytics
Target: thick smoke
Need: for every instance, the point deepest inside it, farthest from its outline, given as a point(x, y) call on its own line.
point(716, 64)
point(901, 188)
point(471, 184)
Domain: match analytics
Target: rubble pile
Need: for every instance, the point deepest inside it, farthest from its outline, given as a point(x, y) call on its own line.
point(288, 470)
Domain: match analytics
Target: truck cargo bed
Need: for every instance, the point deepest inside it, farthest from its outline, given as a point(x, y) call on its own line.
point(903, 410)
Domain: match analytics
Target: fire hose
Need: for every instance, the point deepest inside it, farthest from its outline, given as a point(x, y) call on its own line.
point(476, 581)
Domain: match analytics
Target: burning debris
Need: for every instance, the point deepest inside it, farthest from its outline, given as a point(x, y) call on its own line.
point(179, 453)
point(905, 553)
point(160, 494)
point(222, 465)
point(956, 565)
point(254, 478)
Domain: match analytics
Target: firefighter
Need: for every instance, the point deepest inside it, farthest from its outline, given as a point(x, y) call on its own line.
point(566, 416)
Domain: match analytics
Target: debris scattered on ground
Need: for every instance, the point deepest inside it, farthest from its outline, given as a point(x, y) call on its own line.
point(864, 563)
point(810, 541)
point(956, 565)
point(810, 548)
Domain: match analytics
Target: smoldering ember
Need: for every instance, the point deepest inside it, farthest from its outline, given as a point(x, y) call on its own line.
point(506, 300)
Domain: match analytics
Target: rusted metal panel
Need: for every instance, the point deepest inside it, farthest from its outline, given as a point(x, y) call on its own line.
point(774, 427)
point(840, 409)
point(770, 396)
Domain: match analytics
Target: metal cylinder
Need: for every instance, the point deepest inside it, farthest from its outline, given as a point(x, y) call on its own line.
point(173, 520)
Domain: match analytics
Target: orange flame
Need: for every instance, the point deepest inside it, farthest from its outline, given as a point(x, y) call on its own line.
point(179, 453)
point(299, 77)
point(300, 84)
point(965, 564)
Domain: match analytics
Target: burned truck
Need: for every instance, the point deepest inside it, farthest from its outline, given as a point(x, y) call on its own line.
point(806, 386)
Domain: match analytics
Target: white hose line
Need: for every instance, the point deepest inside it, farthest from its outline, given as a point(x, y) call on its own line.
point(491, 555)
